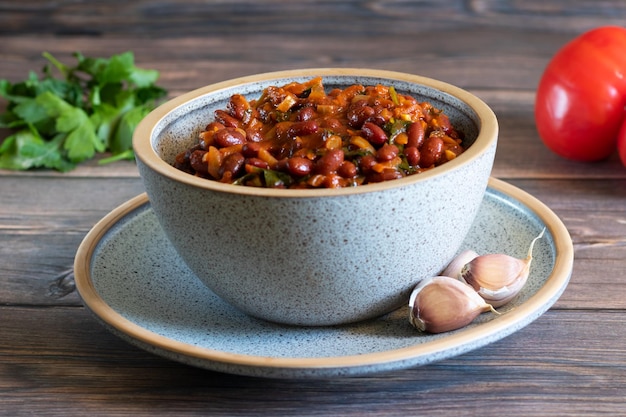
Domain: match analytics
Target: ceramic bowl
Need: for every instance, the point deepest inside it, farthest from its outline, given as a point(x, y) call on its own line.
point(323, 256)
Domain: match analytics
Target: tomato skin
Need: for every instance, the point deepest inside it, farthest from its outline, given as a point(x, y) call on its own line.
point(581, 96)
point(621, 143)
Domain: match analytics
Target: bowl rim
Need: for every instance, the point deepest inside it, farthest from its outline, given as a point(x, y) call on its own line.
point(144, 151)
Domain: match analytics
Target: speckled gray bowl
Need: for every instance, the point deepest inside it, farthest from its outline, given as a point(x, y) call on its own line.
point(315, 257)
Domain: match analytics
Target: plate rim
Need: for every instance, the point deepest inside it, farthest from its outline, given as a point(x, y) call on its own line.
point(506, 324)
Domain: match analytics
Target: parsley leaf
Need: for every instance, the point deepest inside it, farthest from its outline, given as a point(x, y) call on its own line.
point(27, 150)
point(92, 107)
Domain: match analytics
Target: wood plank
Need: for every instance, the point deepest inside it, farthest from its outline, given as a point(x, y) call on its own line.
point(146, 18)
point(191, 62)
point(75, 366)
point(42, 222)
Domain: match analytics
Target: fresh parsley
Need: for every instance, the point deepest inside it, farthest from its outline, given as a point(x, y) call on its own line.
point(57, 122)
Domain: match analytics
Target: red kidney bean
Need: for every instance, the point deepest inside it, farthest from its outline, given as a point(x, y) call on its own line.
point(358, 113)
point(347, 170)
point(303, 128)
point(412, 155)
point(226, 119)
point(256, 162)
point(253, 135)
point(237, 106)
point(332, 181)
point(415, 134)
point(377, 119)
point(233, 163)
point(444, 123)
point(387, 152)
point(366, 163)
point(299, 166)
point(329, 162)
point(286, 149)
point(206, 137)
point(281, 165)
point(196, 162)
point(214, 126)
point(229, 136)
point(282, 130)
point(333, 124)
point(431, 151)
point(250, 149)
point(386, 175)
point(305, 113)
point(373, 133)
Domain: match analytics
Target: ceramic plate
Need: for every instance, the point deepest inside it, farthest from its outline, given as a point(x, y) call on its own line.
point(132, 280)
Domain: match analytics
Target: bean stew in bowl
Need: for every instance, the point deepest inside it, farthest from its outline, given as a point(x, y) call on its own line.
point(300, 136)
point(317, 196)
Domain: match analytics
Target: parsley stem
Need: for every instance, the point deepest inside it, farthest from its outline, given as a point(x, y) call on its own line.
point(127, 154)
point(58, 64)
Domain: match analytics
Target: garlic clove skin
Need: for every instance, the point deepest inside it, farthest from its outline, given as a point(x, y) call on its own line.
point(455, 267)
point(498, 278)
point(441, 304)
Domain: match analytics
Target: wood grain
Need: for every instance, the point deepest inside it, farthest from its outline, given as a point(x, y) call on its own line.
point(355, 17)
point(79, 367)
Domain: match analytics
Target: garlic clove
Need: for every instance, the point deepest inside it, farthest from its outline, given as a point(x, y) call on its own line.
point(498, 278)
point(442, 304)
point(455, 267)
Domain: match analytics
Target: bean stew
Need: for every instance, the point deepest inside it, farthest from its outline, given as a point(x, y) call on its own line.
point(299, 136)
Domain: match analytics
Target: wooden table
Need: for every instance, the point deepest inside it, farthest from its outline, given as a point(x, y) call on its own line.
point(55, 359)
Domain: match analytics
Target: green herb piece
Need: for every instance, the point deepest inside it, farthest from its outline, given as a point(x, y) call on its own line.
point(395, 128)
point(93, 107)
point(274, 179)
point(260, 177)
point(394, 96)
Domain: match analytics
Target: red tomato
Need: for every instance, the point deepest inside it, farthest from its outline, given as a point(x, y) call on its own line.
point(621, 143)
point(581, 96)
